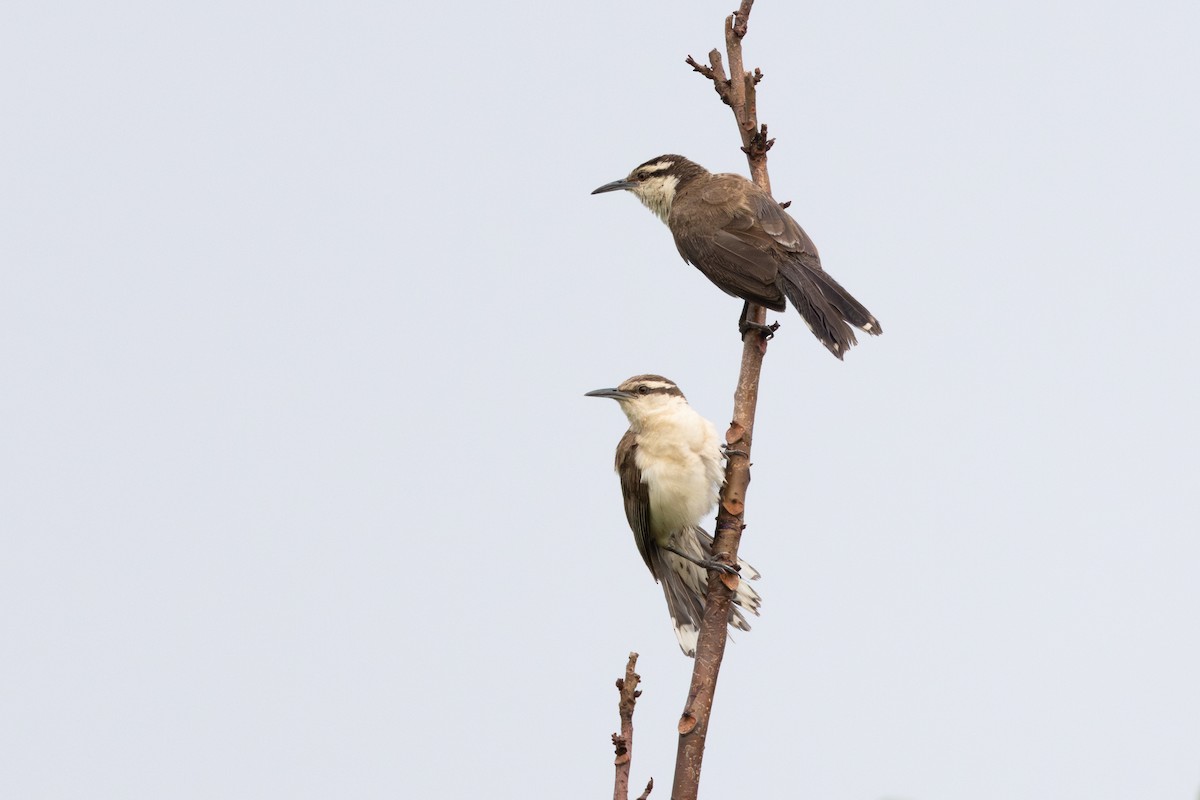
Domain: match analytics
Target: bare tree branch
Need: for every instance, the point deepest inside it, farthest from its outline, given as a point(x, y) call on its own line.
point(715, 73)
point(737, 81)
point(742, 15)
point(739, 92)
point(623, 742)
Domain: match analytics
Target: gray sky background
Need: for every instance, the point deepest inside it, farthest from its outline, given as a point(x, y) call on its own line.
point(301, 497)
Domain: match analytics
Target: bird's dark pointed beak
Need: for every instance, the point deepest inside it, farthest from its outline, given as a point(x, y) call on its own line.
point(614, 186)
point(615, 394)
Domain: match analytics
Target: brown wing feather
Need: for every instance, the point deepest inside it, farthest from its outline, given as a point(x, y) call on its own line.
point(779, 225)
point(722, 237)
point(784, 230)
point(637, 497)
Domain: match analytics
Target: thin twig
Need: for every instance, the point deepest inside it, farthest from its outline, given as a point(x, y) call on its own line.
point(715, 73)
point(743, 18)
point(737, 83)
point(628, 694)
point(706, 71)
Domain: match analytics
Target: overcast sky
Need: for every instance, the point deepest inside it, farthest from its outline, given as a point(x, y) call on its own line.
point(300, 496)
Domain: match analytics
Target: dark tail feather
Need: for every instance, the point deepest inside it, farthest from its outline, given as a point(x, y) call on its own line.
point(826, 306)
point(685, 605)
point(853, 311)
point(685, 585)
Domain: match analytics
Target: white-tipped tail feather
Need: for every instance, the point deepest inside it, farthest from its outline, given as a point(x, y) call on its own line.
point(685, 586)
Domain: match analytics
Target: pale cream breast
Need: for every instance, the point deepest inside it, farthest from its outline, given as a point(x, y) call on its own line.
point(681, 464)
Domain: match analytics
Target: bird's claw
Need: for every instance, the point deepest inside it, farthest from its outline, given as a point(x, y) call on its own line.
point(724, 569)
point(767, 332)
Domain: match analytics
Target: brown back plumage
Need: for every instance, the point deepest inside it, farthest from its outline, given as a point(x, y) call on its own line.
point(744, 242)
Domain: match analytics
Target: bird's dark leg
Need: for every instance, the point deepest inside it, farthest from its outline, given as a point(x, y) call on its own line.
point(745, 325)
point(729, 451)
point(725, 569)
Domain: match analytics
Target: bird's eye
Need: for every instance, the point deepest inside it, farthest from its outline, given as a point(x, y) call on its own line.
point(643, 389)
point(641, 176)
